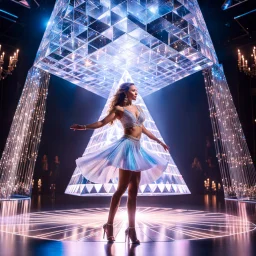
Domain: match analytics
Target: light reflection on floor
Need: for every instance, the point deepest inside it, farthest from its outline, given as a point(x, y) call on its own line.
point(153, 224)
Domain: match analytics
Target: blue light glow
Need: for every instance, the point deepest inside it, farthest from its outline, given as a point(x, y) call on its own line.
point(239, 16)
point(8, 13)
point(226, 5)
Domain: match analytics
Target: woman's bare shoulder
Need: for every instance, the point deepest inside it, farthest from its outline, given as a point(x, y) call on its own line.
point(119, 109)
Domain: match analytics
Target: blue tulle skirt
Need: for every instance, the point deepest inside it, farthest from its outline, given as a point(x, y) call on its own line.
point(125, 153)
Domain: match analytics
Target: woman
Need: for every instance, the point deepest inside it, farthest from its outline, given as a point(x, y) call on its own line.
point(135, 163)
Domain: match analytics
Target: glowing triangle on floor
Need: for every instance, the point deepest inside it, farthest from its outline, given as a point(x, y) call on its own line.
point(110, 133)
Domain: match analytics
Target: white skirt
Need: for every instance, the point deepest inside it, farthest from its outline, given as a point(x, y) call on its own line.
point(127, 154)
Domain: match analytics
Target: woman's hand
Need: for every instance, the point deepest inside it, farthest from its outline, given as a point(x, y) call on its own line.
point(166, 148)
point(77, 127)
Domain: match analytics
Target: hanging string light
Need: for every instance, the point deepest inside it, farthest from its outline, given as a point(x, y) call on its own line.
point(236, 166)
point(20, 153)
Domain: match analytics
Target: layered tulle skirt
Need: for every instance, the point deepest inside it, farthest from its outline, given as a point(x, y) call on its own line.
point(125, 153)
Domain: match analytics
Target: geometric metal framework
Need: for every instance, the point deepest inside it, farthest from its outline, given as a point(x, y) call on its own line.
point(170, 183)
point(91, 43)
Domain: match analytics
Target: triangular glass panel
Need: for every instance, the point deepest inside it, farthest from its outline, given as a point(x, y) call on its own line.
point(142, 188)
point(98, 187)
point(85, 190)
point(107, 187)
point(102, 190)
point(163, 22)
point(81, 8)
point(93, 190)
point(114, 18)
point(89, 187)
point(113, 189)
point(157, 190)
point(147, 189)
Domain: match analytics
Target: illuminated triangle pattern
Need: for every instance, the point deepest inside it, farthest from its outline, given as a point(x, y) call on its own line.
point(171, 182)
point(92, 42)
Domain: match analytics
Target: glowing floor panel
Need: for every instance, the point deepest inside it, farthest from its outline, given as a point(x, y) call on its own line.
point(153, 224)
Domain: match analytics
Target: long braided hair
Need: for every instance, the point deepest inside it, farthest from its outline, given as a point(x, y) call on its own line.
point(118, 98)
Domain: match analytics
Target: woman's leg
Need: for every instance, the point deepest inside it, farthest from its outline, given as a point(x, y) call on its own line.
point(132, 197)
point(123, 182)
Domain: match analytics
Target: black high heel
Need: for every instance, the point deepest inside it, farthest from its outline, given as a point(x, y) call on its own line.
point(127, 234)
point(110, 239)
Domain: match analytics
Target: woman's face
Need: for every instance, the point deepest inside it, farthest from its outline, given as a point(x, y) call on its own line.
point(132, 93)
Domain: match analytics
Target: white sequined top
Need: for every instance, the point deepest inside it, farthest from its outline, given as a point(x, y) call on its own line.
point(129, 120)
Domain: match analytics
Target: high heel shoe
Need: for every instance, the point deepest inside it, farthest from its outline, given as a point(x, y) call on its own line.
point(133, 239)
point(110, 239)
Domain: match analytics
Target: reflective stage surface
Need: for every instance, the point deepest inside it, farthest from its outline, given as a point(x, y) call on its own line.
point(153, 224)
point(182, 225)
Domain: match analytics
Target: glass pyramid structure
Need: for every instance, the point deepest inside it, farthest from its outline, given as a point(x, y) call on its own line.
point(171, 181)
point(93, 42)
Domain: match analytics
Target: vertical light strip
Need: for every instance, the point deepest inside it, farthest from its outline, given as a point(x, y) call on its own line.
point(19, 156)
point(236, 166)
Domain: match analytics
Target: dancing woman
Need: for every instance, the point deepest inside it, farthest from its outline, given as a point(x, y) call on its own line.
point(125, 158)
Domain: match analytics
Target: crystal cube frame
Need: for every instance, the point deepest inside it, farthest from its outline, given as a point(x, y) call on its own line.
point(92, 43)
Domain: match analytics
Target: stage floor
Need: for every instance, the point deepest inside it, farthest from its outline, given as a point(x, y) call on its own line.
point(177, 225)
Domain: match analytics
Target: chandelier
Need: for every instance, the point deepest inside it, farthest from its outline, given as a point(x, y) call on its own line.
point(243, 63)
point(11, 66)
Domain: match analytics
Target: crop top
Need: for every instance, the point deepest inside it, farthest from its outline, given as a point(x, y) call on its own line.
point(129, 120)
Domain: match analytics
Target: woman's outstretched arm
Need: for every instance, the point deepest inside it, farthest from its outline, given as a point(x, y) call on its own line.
point(153, 137)
point(110, 117)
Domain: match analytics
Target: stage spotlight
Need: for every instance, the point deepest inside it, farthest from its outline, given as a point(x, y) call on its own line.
point(25, 3)
point(226, 4)
point(231, 3)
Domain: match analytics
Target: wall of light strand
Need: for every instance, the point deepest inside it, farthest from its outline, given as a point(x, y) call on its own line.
point(235, 162)
point(20, 152)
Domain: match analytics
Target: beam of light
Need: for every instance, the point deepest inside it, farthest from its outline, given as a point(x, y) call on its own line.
point(8, 19)
point(244, 14)
point(20, 152)
point(236, 165)
point(226, 4)
point(152, 224)
point(229, 4)
point(8, 13)
point(171, 182)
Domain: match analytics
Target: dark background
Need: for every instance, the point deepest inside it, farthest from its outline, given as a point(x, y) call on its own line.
point(179, 110)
